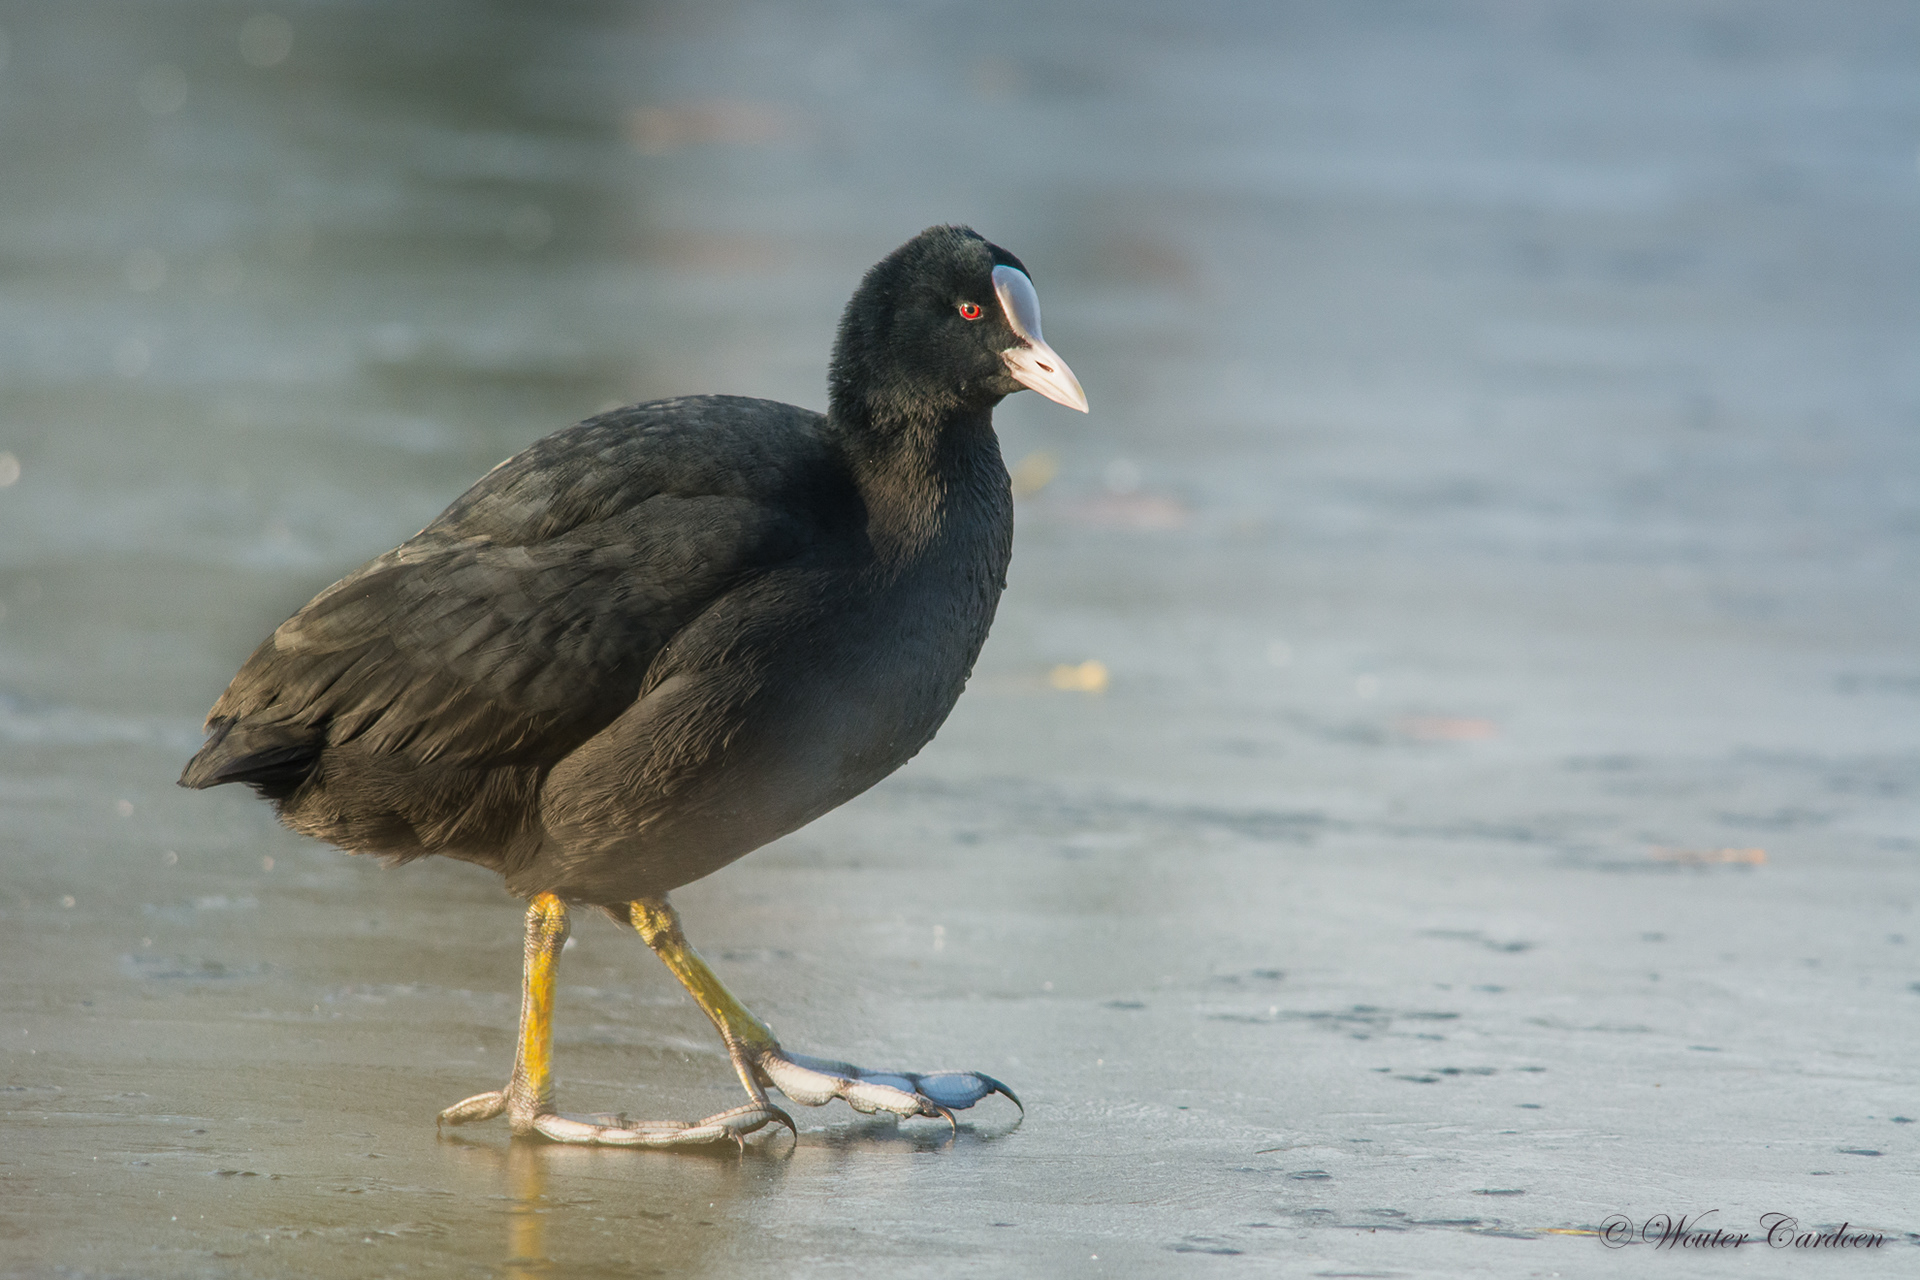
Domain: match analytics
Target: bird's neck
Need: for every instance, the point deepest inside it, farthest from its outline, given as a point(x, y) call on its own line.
point(924, 476)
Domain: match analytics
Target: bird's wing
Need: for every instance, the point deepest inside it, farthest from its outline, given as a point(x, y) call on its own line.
point(524, 619)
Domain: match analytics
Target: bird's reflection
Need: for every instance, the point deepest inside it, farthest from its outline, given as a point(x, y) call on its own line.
point(580, 1211)
point(882, 1135)
point(527, 1219)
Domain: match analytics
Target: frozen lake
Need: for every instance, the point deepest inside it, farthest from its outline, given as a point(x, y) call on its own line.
point(1446, 774)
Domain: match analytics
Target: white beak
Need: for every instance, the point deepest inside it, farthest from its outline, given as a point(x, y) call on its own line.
point(1031, 362)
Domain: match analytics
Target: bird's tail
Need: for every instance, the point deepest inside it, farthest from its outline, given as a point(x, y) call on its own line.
point(272, 758)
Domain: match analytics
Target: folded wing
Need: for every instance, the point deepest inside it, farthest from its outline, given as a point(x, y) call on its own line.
point(527, 617)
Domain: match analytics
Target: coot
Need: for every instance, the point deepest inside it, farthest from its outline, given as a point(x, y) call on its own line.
point(657, 640)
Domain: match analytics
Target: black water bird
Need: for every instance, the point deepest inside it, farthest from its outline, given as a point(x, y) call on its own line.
point(659, 639)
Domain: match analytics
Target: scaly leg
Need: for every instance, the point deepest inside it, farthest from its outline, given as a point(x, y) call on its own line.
point(762, 1064)
point(527, 1100)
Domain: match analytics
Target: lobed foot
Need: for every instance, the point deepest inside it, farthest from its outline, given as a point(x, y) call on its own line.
point(618, 1131)
point(814, 1082)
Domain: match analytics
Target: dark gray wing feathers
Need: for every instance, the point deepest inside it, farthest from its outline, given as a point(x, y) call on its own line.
point(524, 618)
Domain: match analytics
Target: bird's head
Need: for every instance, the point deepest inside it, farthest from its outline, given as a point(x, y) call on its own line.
point(947, 322)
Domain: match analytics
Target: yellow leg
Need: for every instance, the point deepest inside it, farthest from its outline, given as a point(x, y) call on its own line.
point(527, 1101)
point(762, 1063)
point(746, 1036)
point(531, 1093)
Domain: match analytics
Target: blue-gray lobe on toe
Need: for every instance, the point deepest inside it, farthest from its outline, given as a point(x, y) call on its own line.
point(957, 1090)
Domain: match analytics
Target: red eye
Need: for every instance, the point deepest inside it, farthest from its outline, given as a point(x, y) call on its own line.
point(969, 311)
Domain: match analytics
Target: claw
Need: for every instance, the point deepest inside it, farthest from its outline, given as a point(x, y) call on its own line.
point(952, 1125)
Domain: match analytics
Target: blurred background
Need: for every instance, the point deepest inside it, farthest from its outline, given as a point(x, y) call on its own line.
point(1459, 680)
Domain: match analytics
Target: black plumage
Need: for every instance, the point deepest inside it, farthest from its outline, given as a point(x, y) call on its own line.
point(656, 640)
